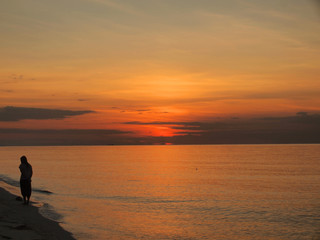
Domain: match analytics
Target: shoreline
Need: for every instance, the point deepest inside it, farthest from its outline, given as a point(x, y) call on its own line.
point(18, 221)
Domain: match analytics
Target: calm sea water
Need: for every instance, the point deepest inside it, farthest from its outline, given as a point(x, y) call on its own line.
point(175, 192)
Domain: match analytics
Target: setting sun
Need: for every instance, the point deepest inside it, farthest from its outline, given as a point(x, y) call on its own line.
point(196, 69)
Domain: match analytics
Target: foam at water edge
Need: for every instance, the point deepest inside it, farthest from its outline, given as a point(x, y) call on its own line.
point(49, 212)
point(45, 209)
point(15, 183)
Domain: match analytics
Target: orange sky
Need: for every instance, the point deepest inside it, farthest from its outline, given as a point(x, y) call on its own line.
point(158, 61)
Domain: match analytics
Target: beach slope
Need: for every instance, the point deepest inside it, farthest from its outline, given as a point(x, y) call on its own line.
point(18, 221)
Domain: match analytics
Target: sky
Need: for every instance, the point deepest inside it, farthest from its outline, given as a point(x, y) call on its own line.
point(159, 72)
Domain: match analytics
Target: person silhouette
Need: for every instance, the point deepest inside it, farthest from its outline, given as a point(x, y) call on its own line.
point(25, 179)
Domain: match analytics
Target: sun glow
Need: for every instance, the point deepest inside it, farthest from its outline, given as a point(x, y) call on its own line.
point(144, 71)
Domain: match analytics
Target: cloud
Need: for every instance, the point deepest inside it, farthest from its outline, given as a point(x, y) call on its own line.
point(64, 131)
point(161, 123)
point(16, 77)
point(11, 114)
point(140, 111)
point(289, 94)
point(317, 3)
point(188, 126)
point(6, 90)
point(236, 123)
point(246, 134)
point(143, 110)
point(29, 137)
point(300, 128)
point(300, 117)
point(117, 6)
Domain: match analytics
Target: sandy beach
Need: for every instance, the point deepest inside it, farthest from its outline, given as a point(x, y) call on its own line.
point(18, 221)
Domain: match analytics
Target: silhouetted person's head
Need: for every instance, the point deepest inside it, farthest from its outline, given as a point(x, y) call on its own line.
point(24, 160)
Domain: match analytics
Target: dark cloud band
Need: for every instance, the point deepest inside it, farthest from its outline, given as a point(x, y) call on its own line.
point(11, 114)
point(163, 123)
point(54, 137)
point(63, 131)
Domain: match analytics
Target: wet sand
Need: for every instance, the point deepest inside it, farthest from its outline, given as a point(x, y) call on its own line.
point(18, 221)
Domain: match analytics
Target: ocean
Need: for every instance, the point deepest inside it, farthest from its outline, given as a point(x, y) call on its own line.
point(175, 192)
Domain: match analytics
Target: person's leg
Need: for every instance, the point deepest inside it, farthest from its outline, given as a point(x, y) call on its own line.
point(23, 191)
point(28, 192)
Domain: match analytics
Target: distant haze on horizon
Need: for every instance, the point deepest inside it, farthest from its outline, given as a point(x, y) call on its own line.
point(159, 72)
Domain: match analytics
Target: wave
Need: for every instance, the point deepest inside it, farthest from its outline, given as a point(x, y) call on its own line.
point(137, 199)
point(48, 211)
point(15, 183)
point(42, 191)
point(9, 181)
point(45, 209)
